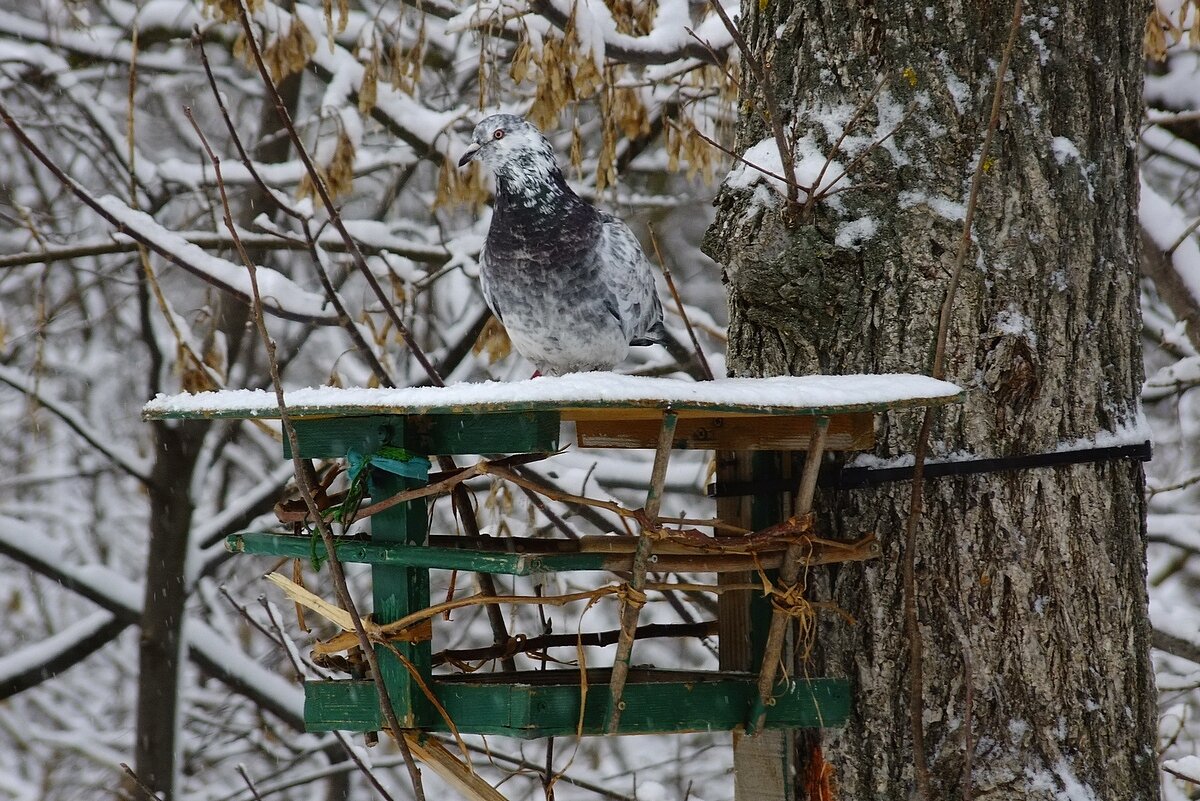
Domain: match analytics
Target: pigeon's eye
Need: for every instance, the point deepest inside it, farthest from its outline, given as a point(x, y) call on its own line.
point(499, 134)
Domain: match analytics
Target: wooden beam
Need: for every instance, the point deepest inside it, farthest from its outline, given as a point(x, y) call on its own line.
point(847, 432)
point(789, 572)
point(445, 434)
point(615, 554)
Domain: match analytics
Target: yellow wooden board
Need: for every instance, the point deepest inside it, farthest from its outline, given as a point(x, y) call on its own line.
point(847, 432)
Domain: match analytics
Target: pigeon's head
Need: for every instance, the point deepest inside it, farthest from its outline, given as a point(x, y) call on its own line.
point(508, 143)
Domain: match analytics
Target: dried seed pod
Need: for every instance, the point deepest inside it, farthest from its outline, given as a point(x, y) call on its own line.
point(492, 340)
point(368, 87)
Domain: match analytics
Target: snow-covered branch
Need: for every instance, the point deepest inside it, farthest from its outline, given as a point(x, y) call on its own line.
point(130, 462)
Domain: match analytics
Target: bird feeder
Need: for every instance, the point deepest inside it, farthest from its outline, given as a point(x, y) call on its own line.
point(808, 415)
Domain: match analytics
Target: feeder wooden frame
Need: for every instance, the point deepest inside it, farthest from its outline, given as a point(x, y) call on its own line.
point(620, 700)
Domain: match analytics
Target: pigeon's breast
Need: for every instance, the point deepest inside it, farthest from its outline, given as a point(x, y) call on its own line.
point(550, 296)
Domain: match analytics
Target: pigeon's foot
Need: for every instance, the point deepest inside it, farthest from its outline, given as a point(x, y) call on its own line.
point(536, 374)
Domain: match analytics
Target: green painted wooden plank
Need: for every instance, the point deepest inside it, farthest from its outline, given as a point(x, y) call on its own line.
point(714, 703)
point(329, 704)
point(336, 436)
point(518, 432)
point(398, 591)
point(513, 432)
point(361, 552)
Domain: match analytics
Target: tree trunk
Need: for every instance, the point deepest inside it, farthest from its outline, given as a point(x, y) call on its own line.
point(1036, 577)
point(165, 595)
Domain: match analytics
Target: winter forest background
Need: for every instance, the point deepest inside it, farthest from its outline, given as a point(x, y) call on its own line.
point(641, 101)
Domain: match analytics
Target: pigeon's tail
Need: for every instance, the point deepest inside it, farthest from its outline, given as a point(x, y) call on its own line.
point(655, 336)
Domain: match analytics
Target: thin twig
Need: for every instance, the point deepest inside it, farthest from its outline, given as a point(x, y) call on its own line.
point(363, 767)
point(772, 114)
point(351, 328)
point(241, 769)
point(1183, 237)
point(302, 481)
point(138, 783)
point(724, 67)
point(599, 639)
point(218, 96)
point(912, 627)
point(791, 183)
point(335, 217)
point(850, 125)
point(666, 271)
point(822, 194)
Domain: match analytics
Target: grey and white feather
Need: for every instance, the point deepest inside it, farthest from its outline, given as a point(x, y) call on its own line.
point(570, 283)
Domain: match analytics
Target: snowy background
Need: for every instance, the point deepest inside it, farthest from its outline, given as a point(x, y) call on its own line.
point(92, 326)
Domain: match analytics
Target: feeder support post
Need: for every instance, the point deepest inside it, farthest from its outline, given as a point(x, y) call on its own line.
point(788, 573)
point(631, 606)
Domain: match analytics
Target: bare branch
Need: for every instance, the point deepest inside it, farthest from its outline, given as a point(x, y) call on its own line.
point(302, 478)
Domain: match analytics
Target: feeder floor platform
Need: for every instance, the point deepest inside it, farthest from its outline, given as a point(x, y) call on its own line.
point(581, 396)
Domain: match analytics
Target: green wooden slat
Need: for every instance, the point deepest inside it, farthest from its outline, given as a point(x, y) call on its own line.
point(518, 432)
point(346, 705)
point(528, 711)
point(399, 591)
point(357, 551)
point(336, 436)
point(514, 432)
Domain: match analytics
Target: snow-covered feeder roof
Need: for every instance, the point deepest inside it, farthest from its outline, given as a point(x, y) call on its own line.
point(580, 396)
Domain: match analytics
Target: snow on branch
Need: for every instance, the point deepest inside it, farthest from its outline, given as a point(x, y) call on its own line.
point(372, 236)
point(43, 659)
point(214, 652)
point(130, 462)
point(217, 654)
point(99, 584)
point(105, 43)
point(668, 40)
point(281, 296)
point(1162, 142)
point(417, 125)
point(1174, 234)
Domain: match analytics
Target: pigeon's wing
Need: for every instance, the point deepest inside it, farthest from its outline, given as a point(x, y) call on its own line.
point(625, 273)
point(484, 285)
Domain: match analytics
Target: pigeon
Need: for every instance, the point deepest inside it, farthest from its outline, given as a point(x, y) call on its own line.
point(569, 283)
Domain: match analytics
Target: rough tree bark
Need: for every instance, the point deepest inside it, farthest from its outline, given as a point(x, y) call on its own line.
point(1037, 575)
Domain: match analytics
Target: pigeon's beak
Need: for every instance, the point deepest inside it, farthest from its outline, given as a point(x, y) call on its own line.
point(469, 154)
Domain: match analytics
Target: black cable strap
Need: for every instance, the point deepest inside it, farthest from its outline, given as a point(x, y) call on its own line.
point(834, 476)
